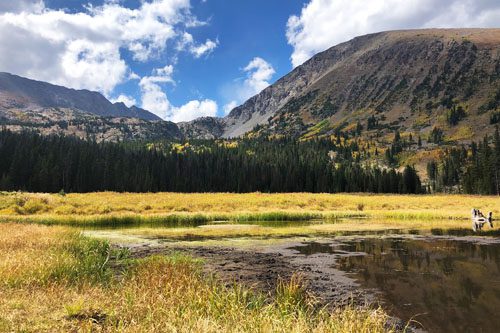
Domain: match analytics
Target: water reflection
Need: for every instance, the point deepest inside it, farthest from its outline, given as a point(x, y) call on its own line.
point(313, 248)
point(158, 223)
point(464, 232)
point(446, 285)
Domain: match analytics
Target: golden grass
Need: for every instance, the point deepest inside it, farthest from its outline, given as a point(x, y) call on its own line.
point(341, 227)
point(180, 207)
point(156, 294)
point(462, 133)
point(35, 255)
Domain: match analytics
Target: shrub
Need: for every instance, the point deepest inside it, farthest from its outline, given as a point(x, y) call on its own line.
point(30, 206)
point(495, 118)
point(455, 114)
point(436, 136)
point(34, 206)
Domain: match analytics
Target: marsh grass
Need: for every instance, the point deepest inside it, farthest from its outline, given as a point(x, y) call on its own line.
point(173, 220)
point(65, 283)
point(292, 297)
point(182, 209)
point(267, 230)
point(274, 216)
point(114, 221)
point(38, 256)
point(54, 279)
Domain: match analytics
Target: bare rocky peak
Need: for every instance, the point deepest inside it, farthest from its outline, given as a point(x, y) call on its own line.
point(21, 93)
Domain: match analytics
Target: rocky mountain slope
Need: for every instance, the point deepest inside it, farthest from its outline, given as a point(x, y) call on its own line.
point(412, 81)
point(24, 94)
point(203, 128)
point(85, 125)
point(440, 85)
point(50, 109)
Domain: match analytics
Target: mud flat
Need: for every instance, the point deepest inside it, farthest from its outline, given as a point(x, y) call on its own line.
point(262, 267)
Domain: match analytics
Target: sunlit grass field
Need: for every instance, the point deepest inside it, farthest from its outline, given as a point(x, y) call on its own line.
point(54, 279)
point(178, 208)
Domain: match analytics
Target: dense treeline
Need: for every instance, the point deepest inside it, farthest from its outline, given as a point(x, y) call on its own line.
point(52, 163)
point(475, 170)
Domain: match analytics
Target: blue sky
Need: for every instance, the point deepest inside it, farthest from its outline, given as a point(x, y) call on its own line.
point(244, 29)
point(182, 59)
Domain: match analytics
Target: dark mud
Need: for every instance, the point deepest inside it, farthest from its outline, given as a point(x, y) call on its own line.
point(261, 269)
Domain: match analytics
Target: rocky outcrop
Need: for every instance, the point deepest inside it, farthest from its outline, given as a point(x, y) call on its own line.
point(203, 128)
point(84, 125)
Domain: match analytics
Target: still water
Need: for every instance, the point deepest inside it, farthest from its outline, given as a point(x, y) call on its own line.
point(443, 285)
point(442, 280)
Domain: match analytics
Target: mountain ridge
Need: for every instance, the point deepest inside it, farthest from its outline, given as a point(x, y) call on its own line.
point(375, 73)
point(51, 109)
point(406, 80)
point(21, 93)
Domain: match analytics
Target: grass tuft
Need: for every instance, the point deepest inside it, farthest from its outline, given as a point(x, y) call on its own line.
point(292, 297)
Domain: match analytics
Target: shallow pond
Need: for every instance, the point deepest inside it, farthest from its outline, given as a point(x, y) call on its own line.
point(444, 280)
point(445, 285)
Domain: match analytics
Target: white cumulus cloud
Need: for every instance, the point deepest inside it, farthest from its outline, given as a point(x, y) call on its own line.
point(21, 5)
point(229, 106)
point(205, 48)
point(258, 74)
point(194, 109)
point(325, 23)
point(197, 50)
point(127, 100)
point(94, 66)
point(82, 50)
point(155, 99)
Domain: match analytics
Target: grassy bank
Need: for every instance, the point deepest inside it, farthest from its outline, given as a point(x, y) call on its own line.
point(111, 208)
point(53, 279)
point(225, 232)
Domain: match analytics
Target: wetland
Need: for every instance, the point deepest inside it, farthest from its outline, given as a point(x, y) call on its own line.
point(124, 262)
point(417, 276)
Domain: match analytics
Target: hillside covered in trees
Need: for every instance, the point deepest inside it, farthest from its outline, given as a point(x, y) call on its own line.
point(31, 162)
point(469, 170)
